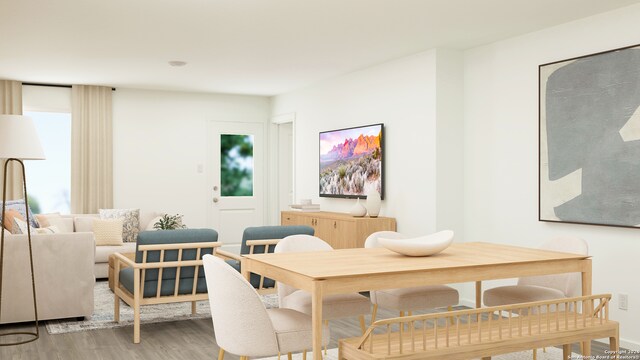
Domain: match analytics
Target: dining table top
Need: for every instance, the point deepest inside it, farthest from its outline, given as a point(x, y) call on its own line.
point(370, 261)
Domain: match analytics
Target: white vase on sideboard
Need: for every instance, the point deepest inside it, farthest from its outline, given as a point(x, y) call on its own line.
point(358, 210)
point(374, 202)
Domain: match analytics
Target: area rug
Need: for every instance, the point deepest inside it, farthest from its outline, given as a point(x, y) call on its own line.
point(551, 354)
point(103, 313)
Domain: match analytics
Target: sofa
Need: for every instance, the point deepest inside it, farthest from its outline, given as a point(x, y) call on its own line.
point(63, 270)
point(83, 223)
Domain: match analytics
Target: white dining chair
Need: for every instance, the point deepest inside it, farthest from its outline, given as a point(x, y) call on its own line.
point(408, 299)
point(242, 324)
point(333, 306)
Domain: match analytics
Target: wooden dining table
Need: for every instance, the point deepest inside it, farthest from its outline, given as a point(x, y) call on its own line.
point(355, 270)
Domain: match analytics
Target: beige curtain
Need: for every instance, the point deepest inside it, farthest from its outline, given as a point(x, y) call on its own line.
point(11, 104)
point(91, 149)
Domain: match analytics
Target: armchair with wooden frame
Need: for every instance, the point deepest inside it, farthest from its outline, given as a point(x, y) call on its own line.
point(167, 269)
point(262, 240)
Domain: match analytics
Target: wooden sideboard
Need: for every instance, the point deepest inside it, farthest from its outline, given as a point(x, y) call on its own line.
point(340, 230)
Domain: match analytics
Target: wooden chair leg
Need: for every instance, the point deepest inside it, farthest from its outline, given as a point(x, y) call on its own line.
point(304, 355)
point(116, 308)
point(289, 357)
point(566, 351)
point(451, 319)
point(363, 327)
point(374, 313)
point(193, 308)
point(221, 354)
point(614, 345)
point(326, 323)
point(535, 354)
point(137, 294)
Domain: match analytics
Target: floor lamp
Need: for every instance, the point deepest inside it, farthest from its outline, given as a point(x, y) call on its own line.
point(18, 141)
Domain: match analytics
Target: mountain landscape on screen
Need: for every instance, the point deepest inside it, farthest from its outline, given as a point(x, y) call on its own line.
point(351, 161)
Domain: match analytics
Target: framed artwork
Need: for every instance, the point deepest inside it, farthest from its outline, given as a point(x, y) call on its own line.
point(589, 139)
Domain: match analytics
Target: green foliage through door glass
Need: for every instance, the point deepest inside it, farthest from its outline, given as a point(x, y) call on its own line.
point(236, 168)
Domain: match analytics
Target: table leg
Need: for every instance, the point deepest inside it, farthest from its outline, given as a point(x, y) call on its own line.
point(478, 294)
point(316, 319)
point(244, 265)
point(586, 290)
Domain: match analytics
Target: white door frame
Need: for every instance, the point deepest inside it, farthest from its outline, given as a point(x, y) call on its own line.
point(274, 176)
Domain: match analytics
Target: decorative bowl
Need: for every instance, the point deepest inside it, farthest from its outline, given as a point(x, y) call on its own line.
point(420, 246)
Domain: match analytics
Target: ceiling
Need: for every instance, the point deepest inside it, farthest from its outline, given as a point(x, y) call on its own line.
point(259, 47)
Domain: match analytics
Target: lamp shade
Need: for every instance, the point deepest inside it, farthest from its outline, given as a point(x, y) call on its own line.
point(19, 138)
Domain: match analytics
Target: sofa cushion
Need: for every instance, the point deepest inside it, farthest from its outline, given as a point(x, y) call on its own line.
point(84, 223)
point(64, 224)
point(146, 217)
point(180, 236)
point(131, 221)
point(43, 219)
point(168, 285)
point(103, 252)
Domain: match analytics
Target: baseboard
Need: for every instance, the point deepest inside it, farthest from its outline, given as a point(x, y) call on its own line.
point(631, 345)
point(624, 343)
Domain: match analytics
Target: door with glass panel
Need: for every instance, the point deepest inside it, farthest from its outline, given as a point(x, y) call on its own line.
point(236, 182)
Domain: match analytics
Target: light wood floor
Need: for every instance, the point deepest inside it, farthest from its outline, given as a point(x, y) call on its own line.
point(192, 339)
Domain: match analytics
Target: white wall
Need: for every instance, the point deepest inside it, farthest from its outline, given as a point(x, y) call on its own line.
point(501, 151)
point(400, 94)
point(159, 140)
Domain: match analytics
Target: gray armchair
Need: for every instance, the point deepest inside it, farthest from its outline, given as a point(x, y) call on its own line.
point(262, 240)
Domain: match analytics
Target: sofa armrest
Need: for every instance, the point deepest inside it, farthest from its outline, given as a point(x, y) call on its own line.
point(63, 270)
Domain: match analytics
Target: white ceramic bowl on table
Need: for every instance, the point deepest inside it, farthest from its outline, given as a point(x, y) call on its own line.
point(419, 246)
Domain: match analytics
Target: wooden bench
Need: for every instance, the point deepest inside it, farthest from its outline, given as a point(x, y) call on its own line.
point(485, 332)
point(140, 269)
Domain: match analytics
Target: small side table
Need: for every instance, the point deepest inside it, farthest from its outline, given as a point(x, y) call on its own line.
point(112, 260)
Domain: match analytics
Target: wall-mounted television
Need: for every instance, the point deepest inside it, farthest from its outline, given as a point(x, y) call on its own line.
point(352, 161)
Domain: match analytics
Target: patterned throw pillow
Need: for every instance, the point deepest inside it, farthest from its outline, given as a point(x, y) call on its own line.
point(20, 227)
point(19, 206)
point(130, 221)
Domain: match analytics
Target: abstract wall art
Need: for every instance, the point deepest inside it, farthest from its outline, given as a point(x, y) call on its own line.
point(589, 139)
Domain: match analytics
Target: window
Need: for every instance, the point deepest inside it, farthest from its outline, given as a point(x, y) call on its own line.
point(236, 170)
point(49, 181)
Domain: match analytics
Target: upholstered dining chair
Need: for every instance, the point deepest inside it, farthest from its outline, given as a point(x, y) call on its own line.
point(242, 324)
point(262, 240)
point(408, 299)
point(545, 287)
point(333, 306)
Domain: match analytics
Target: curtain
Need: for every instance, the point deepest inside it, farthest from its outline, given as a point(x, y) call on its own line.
point(91, 149)
point(11, 104)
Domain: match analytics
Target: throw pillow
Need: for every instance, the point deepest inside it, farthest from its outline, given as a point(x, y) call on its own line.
point(20, 227)
point(9, 216)
point(130, 224)
point(108, 232)
point(20, 206)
